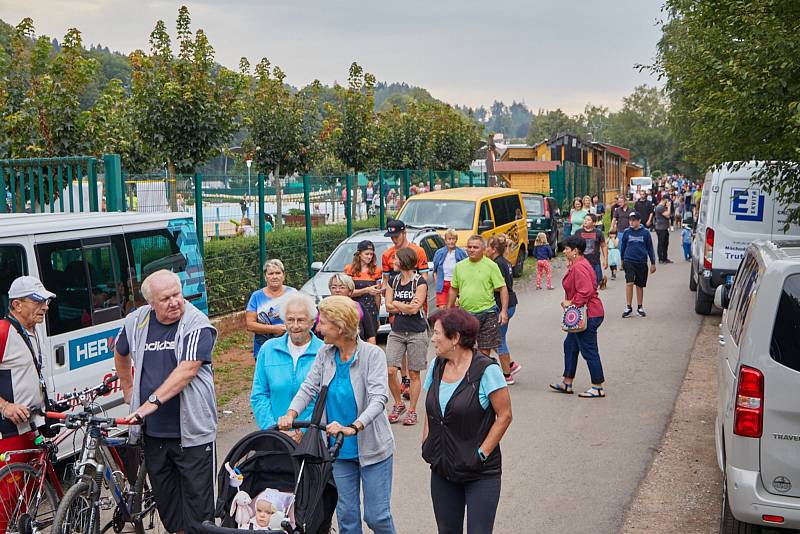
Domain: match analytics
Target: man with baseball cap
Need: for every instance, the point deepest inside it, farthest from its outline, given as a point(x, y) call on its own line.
point(24, 388)
point(396, 230)
point(635, 247)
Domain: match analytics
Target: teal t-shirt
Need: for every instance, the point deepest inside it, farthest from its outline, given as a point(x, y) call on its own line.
point(491, 381)
point(576, 219)
point(341, 406)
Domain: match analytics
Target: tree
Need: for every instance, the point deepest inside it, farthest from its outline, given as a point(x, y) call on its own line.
point(549, 124)
point(186, 105)
point(284, 127)
point(732, 77)
point(353, 134)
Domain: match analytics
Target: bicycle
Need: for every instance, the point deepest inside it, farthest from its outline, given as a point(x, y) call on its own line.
point(34, 486)
point(79, 510)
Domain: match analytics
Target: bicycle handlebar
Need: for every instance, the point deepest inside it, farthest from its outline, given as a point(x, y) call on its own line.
point(86, 418)
point(91, 392)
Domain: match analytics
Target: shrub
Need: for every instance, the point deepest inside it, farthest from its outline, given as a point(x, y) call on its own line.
point(233, 270)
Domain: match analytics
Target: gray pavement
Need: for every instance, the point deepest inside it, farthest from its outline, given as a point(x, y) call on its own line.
point(571, 464)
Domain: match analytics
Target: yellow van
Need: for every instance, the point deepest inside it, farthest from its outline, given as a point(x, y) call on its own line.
point(473, 210)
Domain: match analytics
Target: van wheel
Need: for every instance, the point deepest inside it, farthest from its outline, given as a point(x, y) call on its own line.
point(516, 271)
point(729, 524)
point(692, 279)
point(703, 303)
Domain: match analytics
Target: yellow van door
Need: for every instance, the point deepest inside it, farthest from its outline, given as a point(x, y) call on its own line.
point(510, 220)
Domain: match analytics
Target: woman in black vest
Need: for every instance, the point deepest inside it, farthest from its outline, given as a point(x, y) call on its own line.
point(468, 411)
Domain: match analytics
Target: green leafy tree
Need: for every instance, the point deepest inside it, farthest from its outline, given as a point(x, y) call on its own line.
point(352, 136)
point(548, 124)
point(187, 106)
point(732, 77)
point(284, 126)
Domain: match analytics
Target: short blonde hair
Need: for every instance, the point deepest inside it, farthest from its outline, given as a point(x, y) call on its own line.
point(275, 262)
point(342, 312)
point(343, 279)
point(451, 233)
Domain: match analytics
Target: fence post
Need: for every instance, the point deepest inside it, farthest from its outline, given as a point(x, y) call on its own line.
point(406, 184)
point(91, 169)
point(471, 182)
point(307, 207)
point(382, 203)
point(3, 207)
point(430, 179)
point(349, 204)
point(113, 182)
point(198, 212)
point(262, 231)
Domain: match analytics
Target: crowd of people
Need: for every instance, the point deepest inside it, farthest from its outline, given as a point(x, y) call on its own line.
point(163, 356)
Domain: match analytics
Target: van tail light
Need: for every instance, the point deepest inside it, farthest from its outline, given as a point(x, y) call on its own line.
point(546, 209)
point(709, 249)
point(748, 416)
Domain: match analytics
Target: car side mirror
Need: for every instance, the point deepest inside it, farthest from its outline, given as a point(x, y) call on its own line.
point(485, 226)
point(722, 296)
point(316, 266)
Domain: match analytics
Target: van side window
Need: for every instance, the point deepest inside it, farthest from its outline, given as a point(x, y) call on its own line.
point(85, 276)
point(505, 208)
point(484, 214)
point(785, 345)
point(12, 266)
point(150, 252)
point(746, 286)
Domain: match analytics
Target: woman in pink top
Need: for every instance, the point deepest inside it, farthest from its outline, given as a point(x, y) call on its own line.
point(580, 289)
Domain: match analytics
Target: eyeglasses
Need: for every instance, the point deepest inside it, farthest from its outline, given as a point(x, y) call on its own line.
point(38, 302)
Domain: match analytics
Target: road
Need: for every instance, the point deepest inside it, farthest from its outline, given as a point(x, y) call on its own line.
point(571, 464)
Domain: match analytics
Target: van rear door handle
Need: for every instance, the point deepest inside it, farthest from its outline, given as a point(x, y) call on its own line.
point(60, 360)
point(722, 342)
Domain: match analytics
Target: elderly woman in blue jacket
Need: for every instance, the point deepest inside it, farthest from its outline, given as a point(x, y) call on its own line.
point(444, 263)
point(283, 362)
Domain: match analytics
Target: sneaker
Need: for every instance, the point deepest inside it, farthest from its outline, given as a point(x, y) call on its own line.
point(668, 261)
point(509, 380)
point(641, 312)
point(538, 287)
point(613, 275)
point(397, 411)
point(627, 313)
point(515, 368)
point(411, 418)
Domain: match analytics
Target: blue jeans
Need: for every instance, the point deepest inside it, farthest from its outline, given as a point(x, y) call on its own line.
point(586, 343)
point(687, 251)
point(503, 348)
point(598, 272)
point(377, 482)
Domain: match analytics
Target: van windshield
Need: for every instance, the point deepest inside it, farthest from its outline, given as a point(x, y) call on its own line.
point(642, 181)
point(456, 214)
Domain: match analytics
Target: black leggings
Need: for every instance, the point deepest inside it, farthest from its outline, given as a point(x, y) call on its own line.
point(449, 499)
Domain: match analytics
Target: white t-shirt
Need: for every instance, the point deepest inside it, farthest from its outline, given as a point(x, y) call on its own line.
point(449, 264)
point(297, 351)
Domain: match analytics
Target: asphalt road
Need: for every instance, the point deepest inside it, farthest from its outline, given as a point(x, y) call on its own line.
point(571, 464)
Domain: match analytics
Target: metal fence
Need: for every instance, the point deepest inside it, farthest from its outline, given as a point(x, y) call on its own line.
point(570, 180)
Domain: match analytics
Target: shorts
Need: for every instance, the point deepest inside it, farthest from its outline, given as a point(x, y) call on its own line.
point(441, 297)
point(636, 273)
point(182, 480)
point(413, 344)
point(489, 331)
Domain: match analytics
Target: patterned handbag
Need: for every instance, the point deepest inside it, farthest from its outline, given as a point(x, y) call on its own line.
point(574, 319)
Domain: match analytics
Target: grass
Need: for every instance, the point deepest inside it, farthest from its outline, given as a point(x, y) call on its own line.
point(233, 366)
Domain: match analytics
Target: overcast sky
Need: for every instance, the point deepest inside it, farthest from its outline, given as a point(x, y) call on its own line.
point(546, 53)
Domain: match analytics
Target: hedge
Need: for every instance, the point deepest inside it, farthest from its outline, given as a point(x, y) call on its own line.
point(232, 265)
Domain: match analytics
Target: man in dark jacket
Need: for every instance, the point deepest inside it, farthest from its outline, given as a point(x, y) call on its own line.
point(644, 207)
point(635, 247)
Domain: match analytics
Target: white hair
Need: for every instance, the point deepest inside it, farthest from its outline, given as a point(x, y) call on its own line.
point(296, 298)
point(146, 290)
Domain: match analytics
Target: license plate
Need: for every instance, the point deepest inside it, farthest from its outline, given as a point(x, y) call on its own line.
point(729, 280)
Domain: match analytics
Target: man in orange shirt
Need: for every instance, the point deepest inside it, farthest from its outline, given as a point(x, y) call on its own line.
point(396, 230)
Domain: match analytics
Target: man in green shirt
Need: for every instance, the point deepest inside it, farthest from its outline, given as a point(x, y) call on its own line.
point(475, 280)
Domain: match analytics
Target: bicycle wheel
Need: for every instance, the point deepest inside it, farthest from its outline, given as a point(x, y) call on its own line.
point(23, 507)
point(144, 505)
point(74, 513)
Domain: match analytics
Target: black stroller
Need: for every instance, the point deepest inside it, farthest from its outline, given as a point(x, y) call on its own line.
point(271, 459)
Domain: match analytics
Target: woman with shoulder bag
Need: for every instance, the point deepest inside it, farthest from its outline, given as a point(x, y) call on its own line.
point(468, 410)
point(580, 291)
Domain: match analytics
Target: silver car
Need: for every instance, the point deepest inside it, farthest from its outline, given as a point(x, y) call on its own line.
point(427, 238)
point(758, 405)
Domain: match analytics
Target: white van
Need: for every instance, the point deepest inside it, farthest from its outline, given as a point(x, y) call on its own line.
point(733, 213)
point(95, 264)
point(640, 184)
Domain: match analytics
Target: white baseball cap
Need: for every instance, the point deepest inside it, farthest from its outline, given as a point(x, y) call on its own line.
point(28, 286)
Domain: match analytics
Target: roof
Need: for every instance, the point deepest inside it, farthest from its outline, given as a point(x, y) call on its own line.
point(525, 166)
point(624, 153)
point(40, 223)
point(462, 193)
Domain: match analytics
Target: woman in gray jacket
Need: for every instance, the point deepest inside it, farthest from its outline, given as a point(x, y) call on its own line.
point(356, 375)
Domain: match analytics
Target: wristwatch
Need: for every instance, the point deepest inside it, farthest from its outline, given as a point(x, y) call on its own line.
point(153, 399)
point(354, 427)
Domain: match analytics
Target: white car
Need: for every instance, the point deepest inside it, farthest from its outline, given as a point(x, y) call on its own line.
point(758, 405)
point(427, 238)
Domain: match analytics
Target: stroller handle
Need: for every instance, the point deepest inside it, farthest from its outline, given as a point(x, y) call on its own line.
point(210, 528)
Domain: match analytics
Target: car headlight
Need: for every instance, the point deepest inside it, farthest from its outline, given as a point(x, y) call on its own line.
point(528, 223)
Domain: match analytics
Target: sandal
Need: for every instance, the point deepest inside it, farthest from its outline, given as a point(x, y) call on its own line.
point(594, 392)
point(397, 411)
point(562, 387)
